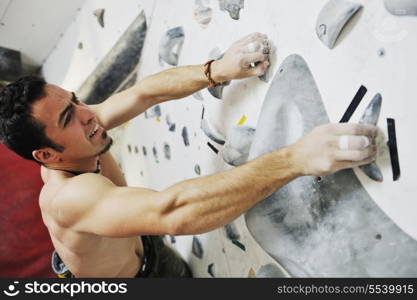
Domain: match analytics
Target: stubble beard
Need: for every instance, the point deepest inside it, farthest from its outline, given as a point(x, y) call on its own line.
point(106, 148)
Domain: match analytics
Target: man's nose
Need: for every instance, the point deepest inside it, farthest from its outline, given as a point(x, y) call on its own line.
point(86, 115)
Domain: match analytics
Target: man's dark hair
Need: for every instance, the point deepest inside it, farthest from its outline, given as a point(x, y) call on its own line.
point(19, 131)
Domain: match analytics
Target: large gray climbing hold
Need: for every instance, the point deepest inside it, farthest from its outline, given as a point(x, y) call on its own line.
point(332, 18)
point(171, 45)
point(401, 7)
point(233, 7)
point(371, 116)
point(327, 227)
point(237, 146)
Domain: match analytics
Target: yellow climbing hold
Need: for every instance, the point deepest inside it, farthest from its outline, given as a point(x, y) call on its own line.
point(242, 120)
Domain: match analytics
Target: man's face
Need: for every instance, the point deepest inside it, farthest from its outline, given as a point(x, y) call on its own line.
point(70, 124)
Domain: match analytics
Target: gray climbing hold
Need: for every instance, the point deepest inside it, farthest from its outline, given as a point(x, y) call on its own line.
point(217, 92)
point(173, 240)
point(197, 169)
point(401, 7)
point(184, 135)
point(171, 45)
point(202, 13)
point(321, 228)
point(237, 146)
point(153, 112)
point(381, 52)
point(270, 271)
point(155, 152)
point(171, 125)
point(233, 7)
point(332, 18)
point(370, 116)
point(167, 151)
point(198, 96)
point(231, 232)
point(99, 13)
point(197, 248)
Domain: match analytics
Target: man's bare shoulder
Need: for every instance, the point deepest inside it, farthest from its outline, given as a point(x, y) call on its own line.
point(77, 196)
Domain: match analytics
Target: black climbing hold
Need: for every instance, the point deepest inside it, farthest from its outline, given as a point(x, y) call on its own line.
point(354, 104)
point(210, 270)
point(239, 244)
point(393, 150)
point(215, 150)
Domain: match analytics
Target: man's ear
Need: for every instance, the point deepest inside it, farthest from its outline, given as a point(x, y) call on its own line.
point(46, 156)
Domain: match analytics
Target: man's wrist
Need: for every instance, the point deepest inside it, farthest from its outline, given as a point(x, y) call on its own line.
point(217, 73)
point(294, 163)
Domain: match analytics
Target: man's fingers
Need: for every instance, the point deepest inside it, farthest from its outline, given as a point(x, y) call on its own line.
point(252, 47)
point(355, 155)
point(260, 68)
point(352, 164)
point(354, 129)
point(250, 59)
point(353, 142)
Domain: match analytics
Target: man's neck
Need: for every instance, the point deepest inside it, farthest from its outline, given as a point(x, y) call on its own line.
point(90, 165)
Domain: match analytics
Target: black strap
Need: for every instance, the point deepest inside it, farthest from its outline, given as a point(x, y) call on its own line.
point(354, 104)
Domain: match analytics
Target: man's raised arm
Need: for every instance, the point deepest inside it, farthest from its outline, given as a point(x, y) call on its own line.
point(245, 58)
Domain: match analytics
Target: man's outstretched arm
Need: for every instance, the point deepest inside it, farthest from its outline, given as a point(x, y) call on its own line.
point(183, 81)
point(92, 204)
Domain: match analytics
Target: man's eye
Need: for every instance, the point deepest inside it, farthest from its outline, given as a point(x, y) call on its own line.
point(68, 118)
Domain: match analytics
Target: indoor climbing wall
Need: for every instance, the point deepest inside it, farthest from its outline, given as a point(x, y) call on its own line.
point(333, 61)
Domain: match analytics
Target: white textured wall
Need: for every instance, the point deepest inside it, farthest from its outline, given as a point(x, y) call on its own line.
point(68, 65)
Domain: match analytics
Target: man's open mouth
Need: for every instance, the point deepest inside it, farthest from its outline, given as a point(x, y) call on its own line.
point(94, 132)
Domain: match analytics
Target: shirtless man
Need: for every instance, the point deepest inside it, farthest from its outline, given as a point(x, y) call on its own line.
point(94, 220)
